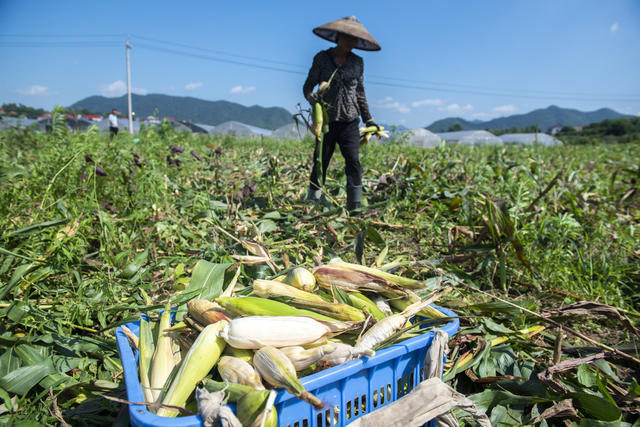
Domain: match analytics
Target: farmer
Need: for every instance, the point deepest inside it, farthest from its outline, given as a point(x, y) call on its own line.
point(113, 122)
point(345, 101)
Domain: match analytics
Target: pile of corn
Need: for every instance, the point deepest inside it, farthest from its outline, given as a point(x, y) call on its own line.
point(283, 329)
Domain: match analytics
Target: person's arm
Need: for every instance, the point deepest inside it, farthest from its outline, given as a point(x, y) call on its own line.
point(362, 101)
point(313, 78)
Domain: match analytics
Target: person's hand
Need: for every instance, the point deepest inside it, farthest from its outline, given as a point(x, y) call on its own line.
point(313, 98)
point(372, 123)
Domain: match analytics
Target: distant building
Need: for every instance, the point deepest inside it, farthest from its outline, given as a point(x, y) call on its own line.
point(93, 118)
point(577, 128)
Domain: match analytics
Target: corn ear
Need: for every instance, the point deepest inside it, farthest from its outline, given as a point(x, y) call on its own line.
point(251, 409)
point(352, 280)
point(244, 354)
point(255, 306)
point(301, 278)
point(205, 312)
point(271, 288)
point(234, 391)
point(276, 369)
point(363, 303)
point(236, 370)
point(145, 356)
point(404, 282)
point(428, 311)
point(317, 119)
point(342, 353)
point(335, 310)
point(196, 364)
point(163, 360)
point(253, 332)
point(302, 358)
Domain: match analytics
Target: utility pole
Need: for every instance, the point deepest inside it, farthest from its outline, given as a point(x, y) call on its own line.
point(129, 87)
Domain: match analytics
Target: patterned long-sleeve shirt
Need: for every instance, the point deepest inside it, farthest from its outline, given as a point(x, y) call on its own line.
point(345, 96)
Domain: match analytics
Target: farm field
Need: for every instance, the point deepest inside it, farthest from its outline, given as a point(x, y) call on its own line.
point(95, 231)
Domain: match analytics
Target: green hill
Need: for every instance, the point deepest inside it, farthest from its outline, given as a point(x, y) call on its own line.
point(192, 109)
point(544, 118)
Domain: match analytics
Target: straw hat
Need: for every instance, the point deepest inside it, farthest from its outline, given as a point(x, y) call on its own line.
point(350, 26)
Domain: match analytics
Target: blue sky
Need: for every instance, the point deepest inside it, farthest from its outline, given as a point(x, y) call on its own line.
point(473, 59)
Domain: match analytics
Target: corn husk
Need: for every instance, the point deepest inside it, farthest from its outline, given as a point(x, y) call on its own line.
point(163, 360)
point(146, 349)
point(342, 353)
point(206, 312)
point(197, 363)
point(272, 288)
point(238, 371)
point(302, 357)
point(244, 354)
point(276, 369)
point(363, 303)
point(234, 391)
point(251, 408)
point(352, 280)
point(390, 325)
point(404, 282)
point(255, 306)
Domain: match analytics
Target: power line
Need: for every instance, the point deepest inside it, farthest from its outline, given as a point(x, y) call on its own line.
point(210, 58)
point(378, 80)
point(218, 52)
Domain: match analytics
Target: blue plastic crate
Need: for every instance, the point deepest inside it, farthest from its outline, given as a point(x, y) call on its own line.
point(349, 390)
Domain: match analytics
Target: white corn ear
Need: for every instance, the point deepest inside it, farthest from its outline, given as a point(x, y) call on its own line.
point(235, 370)
point(254, 332)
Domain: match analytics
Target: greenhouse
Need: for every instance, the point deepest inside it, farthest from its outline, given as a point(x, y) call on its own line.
point(530, 139)
point(424, 138)
point(295, 131)
point(471, 137)
point(240, 129)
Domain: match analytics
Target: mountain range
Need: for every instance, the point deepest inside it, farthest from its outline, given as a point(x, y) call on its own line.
point(544, 118)
point(191, 109)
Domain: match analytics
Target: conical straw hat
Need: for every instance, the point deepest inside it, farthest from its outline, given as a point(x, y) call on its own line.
point(350, 26)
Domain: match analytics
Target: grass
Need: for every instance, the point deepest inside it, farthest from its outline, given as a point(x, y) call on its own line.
point(79, 254)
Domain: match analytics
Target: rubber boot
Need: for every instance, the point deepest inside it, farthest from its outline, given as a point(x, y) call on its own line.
point(354, 198)
point(313, 194)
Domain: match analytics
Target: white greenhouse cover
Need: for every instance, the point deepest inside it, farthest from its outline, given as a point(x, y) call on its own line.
point(471, 137)
point(240, 129)
point(16, 122)
point(421, 137)
point(291, 131)
point(530, 139)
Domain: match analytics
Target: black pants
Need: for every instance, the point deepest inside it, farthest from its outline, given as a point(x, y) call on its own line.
point(347, 135)
point(113, 131)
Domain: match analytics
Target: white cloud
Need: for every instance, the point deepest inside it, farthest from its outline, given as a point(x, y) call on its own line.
point(119, 88)
point(504, 109)
point(416, 104)
point(456, 108)
point(193, 85)
point(242, 90)
point(390, 104)
point(34, 90)
point(614, 27)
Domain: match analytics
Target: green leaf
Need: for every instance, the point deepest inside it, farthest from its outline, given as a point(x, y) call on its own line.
point(36, 227)
point(496, 327)
point(206, 282)
point(272, 215)
point(267, 226)
point(17, 311)
point(586, 376)
point(21, 380)
point(341, 296)
point(374, 236)
point(18, 273)
point(490, 398)
point(596, 406)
